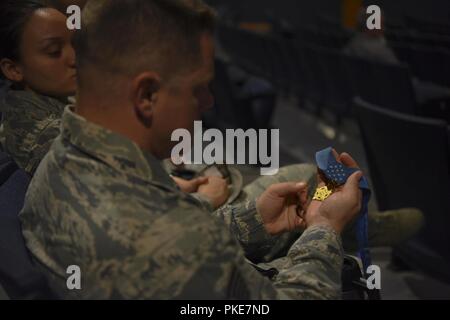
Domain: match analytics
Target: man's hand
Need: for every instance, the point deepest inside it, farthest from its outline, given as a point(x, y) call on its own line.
point(338, 209)
point(190, 186)
point(342, 206)
point(281, 205)
point(216, 190)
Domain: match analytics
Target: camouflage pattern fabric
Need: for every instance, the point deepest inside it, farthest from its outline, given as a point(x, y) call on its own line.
point(293, 173)
point(30, 123)
point(98, 201)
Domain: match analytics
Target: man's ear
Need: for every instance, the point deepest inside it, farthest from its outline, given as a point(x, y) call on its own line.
point(11, 70)
point(144, 95)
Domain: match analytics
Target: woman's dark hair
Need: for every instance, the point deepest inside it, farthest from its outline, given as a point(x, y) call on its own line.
point(14, 14)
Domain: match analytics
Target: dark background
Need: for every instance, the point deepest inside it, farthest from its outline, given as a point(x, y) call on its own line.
point(302, 12)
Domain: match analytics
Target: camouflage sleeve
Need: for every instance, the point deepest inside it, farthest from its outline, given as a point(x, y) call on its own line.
point(42, 145)
point(183, 254)
point(196, 258)
point(247, 227)
point(313, 266)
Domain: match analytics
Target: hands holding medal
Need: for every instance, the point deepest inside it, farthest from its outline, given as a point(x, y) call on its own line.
point(284, 206)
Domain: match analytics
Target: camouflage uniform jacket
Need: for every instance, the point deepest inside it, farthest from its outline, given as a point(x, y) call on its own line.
point(30, 123)
point(99, 202)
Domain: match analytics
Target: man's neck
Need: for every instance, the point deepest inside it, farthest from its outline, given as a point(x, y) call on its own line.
point(112, 116)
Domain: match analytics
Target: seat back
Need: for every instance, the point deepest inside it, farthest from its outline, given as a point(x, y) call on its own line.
point(409, 159)
point(395, 88)
point(18, 275)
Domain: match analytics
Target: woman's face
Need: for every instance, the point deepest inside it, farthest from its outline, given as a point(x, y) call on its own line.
point(47, 58)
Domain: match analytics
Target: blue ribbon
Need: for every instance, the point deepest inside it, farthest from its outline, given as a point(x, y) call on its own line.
point(339, 173)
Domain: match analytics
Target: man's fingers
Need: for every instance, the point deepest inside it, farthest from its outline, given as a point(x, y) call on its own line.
point(304, 196)
point(335, 154)
point(199, 181)
point(345, 159)
point(179, 181)
point(348, 161)
point(352, 184)
point(190, 185)
point(294, 220)
point(299, 222)
point(287, 188)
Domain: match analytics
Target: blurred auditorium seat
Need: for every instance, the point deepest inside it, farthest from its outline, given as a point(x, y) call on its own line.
point(414, 38)
point(362, 77)
point(246, 49)
point(18, 276)
point(431, 64)
point(223, 112)
point(409, 161)
point(311, 66)
point(229, 111)
point(281, 62)
point(7, 167)
point(316, 79)
point(394, 87)
point(339, 93)
point(320, 36)
point(430, 27)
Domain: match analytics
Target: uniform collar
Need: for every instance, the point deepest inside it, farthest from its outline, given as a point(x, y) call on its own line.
point(115, 150)
point(16, 100)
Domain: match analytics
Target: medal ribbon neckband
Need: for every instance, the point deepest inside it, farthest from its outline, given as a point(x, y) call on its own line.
point(336, 174)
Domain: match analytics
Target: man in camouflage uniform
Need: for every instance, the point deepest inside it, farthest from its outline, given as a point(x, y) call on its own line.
point(101, 199)
point(109, 207)
point(30, 123)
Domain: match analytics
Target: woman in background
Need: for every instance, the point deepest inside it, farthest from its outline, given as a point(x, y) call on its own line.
point(37, 58)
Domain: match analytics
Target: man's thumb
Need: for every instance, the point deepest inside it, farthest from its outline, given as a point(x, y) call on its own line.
point(352, 184)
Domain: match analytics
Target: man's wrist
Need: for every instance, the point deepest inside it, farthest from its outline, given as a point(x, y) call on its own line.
point(322, 221)
point(319, 219)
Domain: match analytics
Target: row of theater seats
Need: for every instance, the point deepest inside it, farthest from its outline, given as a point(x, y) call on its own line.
point(431, 64)
point(408, 152)
point(409, 162)
point(426, 53)
point(414, 38)
point(428, 27)
point(329, 78)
